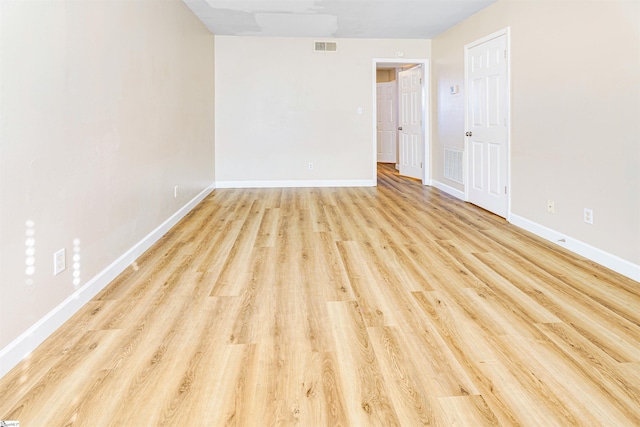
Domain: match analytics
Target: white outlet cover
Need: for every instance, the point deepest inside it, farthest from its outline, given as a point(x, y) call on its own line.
point(59, 262)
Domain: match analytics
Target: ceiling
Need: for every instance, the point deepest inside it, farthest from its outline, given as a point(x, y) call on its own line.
point(385, 19)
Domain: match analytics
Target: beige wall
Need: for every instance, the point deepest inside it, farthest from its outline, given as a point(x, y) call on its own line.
point(575, 70)
point(281, 106)
point(105, 107)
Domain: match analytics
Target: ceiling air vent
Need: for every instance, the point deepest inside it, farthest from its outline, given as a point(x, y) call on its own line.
point(325, 47)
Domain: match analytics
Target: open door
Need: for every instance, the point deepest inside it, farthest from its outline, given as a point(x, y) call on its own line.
point(410, 126)
point(386, 101)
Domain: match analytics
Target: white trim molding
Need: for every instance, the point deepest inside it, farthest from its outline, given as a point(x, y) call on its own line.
point(614, 262)
point(297, 184)
point(458, 194)
point(24, 344)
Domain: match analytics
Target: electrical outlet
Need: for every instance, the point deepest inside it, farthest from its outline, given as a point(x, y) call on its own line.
point(175, 191)
point(588, 216)
point(310, 166)
point(59, 262)
point(551, 206)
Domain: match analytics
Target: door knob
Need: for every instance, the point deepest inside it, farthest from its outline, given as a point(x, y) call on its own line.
point(469, 134)
point(400, 128)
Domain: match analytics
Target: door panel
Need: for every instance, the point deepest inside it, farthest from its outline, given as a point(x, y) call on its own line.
point(410, 121)
point(478, 101)
point(493, 101)
point(477, 170)
point(404, 149)
point(415, 152)
point(493, 167)
point(487, 123)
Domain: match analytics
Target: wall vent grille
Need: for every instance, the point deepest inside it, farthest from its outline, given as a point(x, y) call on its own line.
point(325, 47)
point(453, 165)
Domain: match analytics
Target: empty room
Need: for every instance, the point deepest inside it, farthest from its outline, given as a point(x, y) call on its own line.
point(319, 213)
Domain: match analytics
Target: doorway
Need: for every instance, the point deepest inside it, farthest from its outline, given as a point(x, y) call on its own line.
point(412, 144)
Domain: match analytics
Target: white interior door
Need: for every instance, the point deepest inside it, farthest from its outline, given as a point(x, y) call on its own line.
point(486, 118)
point(386, 101)
point(410, 126)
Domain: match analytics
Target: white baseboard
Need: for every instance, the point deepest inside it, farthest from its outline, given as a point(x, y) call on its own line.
point(24, 344)
point(302, 183)
point(447, 189)
point(614, 262)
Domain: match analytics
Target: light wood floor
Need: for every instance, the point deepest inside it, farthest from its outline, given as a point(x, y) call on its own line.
point(395, 305)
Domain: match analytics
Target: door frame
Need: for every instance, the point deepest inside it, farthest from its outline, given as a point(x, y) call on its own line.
point(466, 157)
point(426, 124)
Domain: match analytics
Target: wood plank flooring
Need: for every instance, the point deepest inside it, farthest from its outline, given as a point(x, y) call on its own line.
point(395, 305)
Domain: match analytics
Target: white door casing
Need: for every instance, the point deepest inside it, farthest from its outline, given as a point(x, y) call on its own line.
point(386, 101)
point(486, 118)
point(410, 125)
point(425, 143)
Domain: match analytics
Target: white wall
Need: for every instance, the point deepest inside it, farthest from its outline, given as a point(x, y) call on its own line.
point(106, 106)
point(281, 106)
point(575, 70)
